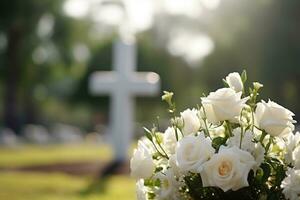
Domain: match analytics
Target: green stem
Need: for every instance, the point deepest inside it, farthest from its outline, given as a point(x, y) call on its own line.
point(206, 128)
point(204, 120)
point(158, 150)
point(242, 133)
point(176, 133)
point(252, 115)
point(262, 137)
point(227, 125)
point(269, 144)
point(166, 155)
point(254, 96)
point(181, 132)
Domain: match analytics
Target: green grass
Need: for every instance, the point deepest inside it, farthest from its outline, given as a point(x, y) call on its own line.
point(39, 155)
point(58, 186)
point(38, 186)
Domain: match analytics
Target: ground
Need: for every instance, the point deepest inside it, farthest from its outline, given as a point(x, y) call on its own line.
point(19, 184)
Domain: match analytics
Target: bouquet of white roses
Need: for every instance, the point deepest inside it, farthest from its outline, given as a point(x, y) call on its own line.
point(228, 147)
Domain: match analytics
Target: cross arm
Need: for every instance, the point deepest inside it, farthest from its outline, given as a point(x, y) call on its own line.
point(145, 83)
point(102, 82)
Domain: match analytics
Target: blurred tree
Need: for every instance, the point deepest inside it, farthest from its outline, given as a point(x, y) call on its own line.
point(45, 65)
point(21, 26)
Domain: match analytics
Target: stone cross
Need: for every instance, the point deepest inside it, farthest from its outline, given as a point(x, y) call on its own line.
point(122, 85)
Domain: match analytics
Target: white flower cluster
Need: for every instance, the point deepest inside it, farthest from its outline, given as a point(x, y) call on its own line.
point(229, 143)
point(291, 184)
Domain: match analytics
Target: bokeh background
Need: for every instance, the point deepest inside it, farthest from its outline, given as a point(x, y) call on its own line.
point(53, 132)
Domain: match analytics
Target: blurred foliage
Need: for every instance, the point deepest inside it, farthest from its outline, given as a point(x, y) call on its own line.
point(259, 36)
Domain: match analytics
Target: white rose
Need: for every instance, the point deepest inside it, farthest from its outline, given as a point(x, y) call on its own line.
point(148, 144)
point(141, 192)
point(246, 144)
point(228, 169)
point(169, 187)
point(235, 82)
point(192, 151)
point(257, 85)
point(218, 131)
point(291, 184)
point(173, 165)
point(141, 163)
point(191, 122)
point(223, 104)
point(291, 142)
point(259, 155)
point(296, 157)
point(274, 119)
point(169, 139)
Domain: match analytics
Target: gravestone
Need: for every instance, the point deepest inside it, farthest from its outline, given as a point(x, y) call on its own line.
point(122, 85)
point(8, 137)
point(64, 133)
point(37, 134)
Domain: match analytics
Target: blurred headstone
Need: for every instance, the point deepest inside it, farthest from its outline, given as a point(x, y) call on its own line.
point(64, 133)
point(8, 137)
point(122, 85)
point(103, 130)
point(94, 137)
point(37, 134)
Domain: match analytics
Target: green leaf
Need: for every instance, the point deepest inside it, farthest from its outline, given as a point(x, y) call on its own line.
point(259, 175)
point(148, 133)
point(152, 182)
point(146, 130)
point(266, 172)
point(158, 137)
point(151, 195)
point(156, 155)
point(244, 76)
point(158, 169)
point(225, 82)
point(218, 141)
point(250, 90)
point(280, 175)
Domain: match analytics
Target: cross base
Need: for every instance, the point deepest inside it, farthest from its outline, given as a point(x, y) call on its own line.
point(116, 166)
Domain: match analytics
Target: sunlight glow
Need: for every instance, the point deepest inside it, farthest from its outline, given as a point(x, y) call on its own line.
point(76, 8)
point(128, 17)
point(193, 47)
point(191, 8)
point(211, 4)
point(81, 52)
point(40, 55)
point(136, 14)
point(45, 53)
point(45, 26)
point(109, 14)
point(140, 14)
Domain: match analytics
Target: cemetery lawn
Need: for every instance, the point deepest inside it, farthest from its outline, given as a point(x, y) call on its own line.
point(29, 155)
point(21, 185)
point(41, 186)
